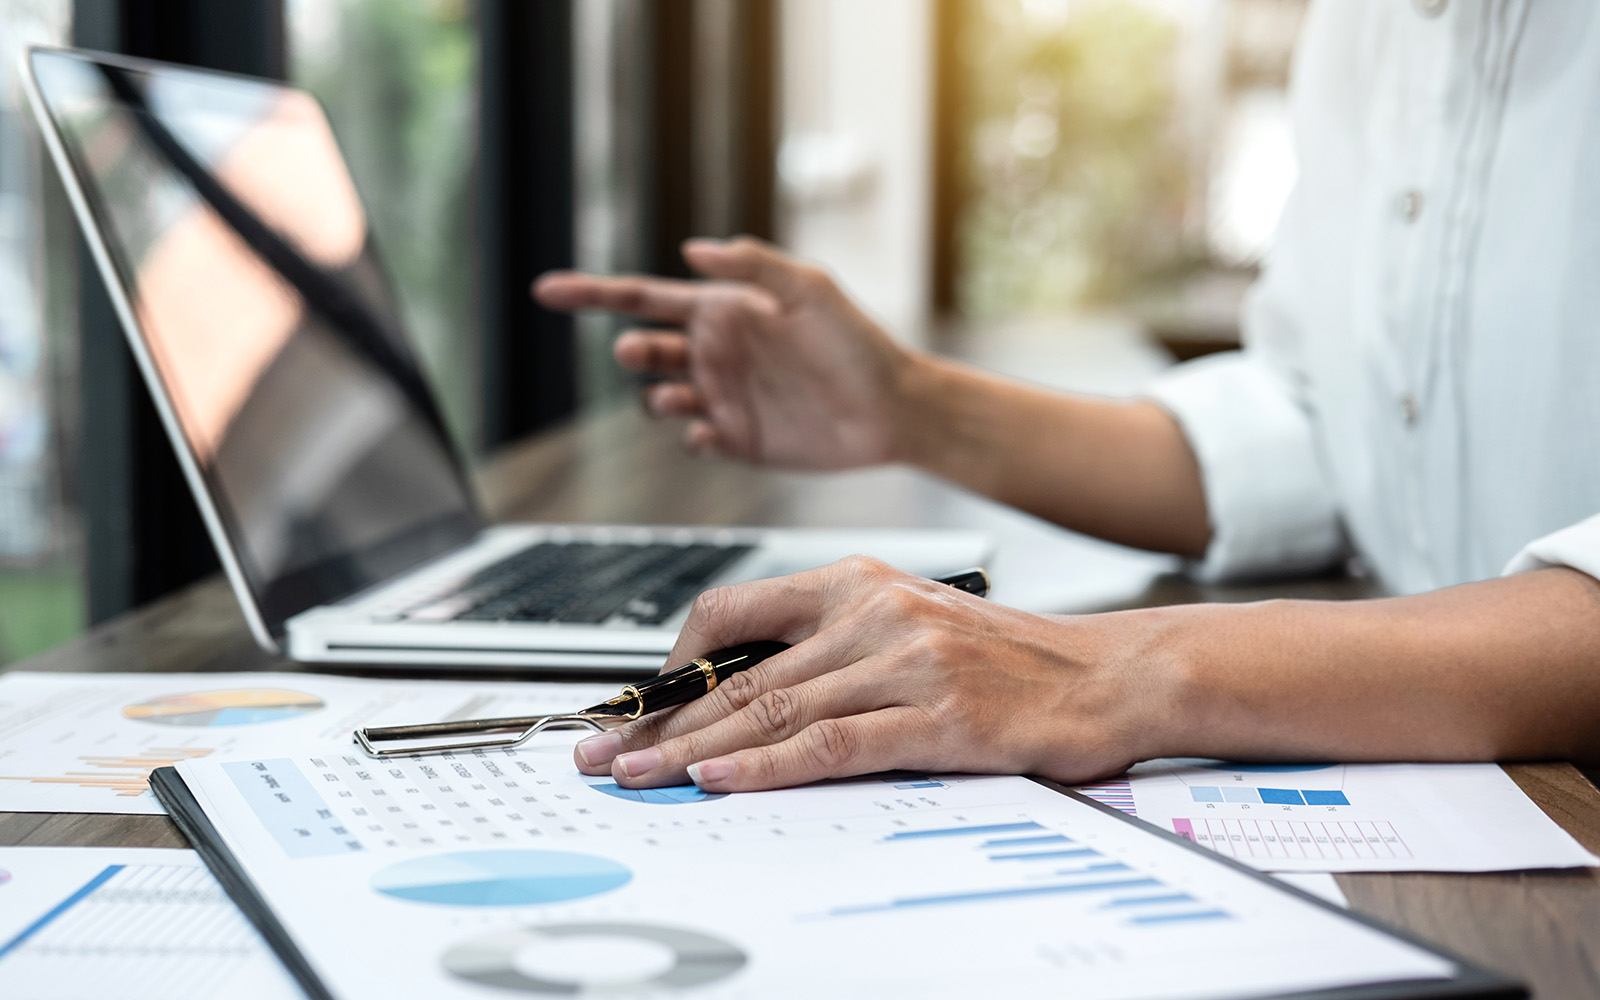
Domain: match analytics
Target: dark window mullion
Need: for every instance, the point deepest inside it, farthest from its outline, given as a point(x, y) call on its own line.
point(526, 224)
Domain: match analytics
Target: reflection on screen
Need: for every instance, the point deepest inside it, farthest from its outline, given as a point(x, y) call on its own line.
point(243, 249)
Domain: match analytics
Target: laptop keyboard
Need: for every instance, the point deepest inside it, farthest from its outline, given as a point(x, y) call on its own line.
point(585, 583)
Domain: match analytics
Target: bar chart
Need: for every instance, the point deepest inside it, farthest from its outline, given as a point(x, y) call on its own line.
point(1116, 794)
point(1029, 860)
point(144, 932)
point(1269, 796)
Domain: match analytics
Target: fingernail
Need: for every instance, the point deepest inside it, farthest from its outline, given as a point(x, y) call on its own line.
point(598, 750)
point(640, 762)
point(716, 769)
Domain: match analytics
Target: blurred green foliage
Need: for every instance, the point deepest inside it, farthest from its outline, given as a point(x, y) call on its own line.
point(39, 607)
point(399, 80)
point(1079, 182)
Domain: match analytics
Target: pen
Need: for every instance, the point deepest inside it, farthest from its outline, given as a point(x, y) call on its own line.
point(701, 676)
point(675, 687)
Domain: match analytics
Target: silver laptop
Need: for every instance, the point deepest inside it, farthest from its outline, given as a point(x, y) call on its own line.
point(237, 253)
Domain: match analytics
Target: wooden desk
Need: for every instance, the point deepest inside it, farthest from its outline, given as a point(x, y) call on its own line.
point(1541, 926)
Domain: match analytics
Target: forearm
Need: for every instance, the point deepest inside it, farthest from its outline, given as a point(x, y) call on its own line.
point(1121, 471)
point(1501, 670)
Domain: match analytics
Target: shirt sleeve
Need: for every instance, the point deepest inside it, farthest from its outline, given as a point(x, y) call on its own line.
point(1270, 506)
point(1576, 546)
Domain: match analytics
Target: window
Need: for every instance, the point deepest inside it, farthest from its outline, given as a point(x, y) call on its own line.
point(399, 81)
point(42, 591)
point(1124, 153)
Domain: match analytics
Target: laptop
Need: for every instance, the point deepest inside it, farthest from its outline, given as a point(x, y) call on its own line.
point(236, 251)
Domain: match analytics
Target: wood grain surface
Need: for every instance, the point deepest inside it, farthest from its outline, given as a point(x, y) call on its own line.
point(1543, 927)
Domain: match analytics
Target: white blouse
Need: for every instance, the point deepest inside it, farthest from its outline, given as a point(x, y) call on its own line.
point(1421, 374)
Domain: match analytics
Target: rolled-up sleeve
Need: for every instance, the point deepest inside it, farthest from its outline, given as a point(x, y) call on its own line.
point(1576, 546)
point(1271, 508)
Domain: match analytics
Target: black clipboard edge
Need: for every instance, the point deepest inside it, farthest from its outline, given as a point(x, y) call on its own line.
point(185, 810)
point(1472, 981)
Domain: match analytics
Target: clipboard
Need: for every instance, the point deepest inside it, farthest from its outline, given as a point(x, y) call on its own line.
point(1470, 981)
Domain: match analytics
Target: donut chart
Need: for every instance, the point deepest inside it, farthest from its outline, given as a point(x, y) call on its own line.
point(491, 960)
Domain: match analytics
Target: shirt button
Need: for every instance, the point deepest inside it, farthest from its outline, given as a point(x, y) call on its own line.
point(1410, 409)
point(1409, 204)
point(1430, 8)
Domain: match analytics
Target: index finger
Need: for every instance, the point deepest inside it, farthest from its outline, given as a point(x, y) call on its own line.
point(750, 260)
point(661, 300)
point(786, 608)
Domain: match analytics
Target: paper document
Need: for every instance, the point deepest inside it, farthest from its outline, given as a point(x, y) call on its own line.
point(507, 869)
point(89, 923)
point(1319, 884)
point(1348, 817)
point(88, 742)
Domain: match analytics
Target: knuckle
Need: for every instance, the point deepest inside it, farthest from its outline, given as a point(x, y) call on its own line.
point(935, 647)
point(630, 297)
point(833, 745)
point(813, 280)
point(863, 566)
point(897, 603)
point(738, 690)
point(688, 747)
point(774, 713)
point(719, 310)
point(711, 605)
point(645, 732)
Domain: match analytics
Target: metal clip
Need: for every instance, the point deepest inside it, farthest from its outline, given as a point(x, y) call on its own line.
point(525, 728)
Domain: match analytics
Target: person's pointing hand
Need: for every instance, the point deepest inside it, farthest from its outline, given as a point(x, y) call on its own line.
point(769, 360)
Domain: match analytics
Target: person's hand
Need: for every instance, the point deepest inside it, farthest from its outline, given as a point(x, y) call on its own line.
point(770, 362)
point(892, 671)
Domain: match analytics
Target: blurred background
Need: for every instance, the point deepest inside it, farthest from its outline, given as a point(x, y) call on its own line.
point(1025, 183)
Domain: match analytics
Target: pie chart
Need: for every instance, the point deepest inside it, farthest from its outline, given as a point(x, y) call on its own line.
point(1267, 768)
point(239, 707)
point(500, 878)
point(677, 795)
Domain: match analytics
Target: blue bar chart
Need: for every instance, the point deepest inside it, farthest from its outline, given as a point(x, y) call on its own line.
point(1269, 796)
point(1030, 860)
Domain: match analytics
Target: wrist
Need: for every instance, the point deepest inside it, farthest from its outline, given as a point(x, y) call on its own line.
point(1163, 659)
point(1240, 678)
point(927, 426)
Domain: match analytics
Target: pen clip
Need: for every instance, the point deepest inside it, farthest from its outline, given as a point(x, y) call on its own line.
point(369, 737)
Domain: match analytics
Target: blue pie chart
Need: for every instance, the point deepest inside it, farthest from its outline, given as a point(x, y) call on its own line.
point(1268, 768)
point(676, 795)
point(500, 878)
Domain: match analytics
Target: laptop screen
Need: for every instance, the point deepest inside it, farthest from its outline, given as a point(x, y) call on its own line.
point(246, 261)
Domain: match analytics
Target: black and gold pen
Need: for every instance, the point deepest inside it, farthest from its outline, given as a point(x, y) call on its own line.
point(675, 687)
point(701, 676)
